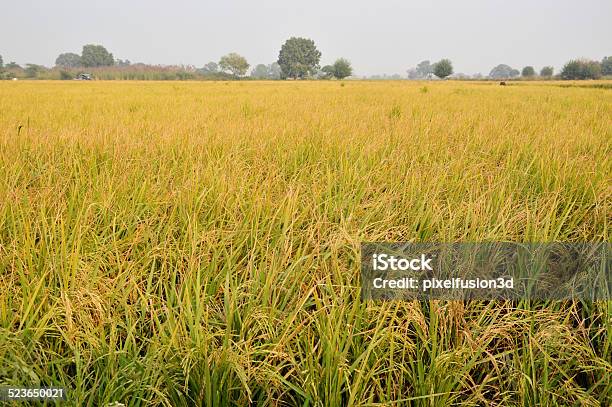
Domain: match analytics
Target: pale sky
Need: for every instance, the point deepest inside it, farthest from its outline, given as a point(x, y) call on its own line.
point(377, 36)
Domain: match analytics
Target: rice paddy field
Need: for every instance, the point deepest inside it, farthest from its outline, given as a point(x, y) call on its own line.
point(198, 243)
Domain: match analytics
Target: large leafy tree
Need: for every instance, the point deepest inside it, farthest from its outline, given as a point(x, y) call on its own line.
point(96, 55)
point(234, 63)
point(210, 68)
point(68, 60)
point(298, 58)
point(412, 73)
point(1, 62)
point(274, 70)
point(443, 68)
point(260, 72)
point(528, 72)
point(503, 71)
point(423, 69)
point(342, 68)
point(547, 71)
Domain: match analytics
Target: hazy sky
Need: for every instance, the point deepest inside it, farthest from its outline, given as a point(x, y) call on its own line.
point(378, 36)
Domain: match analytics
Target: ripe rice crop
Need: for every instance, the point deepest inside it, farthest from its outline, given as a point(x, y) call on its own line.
point(198, 243)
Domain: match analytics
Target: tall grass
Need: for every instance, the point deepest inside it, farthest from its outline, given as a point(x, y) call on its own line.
point(198, 243)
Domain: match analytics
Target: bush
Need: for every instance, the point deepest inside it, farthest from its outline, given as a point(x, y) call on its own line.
point(184, 76)
point(65, 75)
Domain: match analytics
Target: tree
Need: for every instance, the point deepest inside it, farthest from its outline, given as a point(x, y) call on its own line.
point(528, 72)
point(96, 55)
point(503, 71)
point(606, 66)
point(234, 63)
point(581, 69)
point(298, 58)
point(1, 62)
point(262, 71)
point(68, 60)
point(572, 70)
point(13, 65)
point(547, 71)
point(327, 72)
point(274, 70)
point(32, 70)
point(342, 68)
point(592, 70)
point(423, 69)
point(443, 68)
point(210, 68)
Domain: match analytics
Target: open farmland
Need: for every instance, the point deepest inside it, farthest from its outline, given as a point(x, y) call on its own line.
point(198, 243)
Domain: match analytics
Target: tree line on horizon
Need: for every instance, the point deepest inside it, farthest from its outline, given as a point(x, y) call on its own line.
point(575, 69)
point(298, 58)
